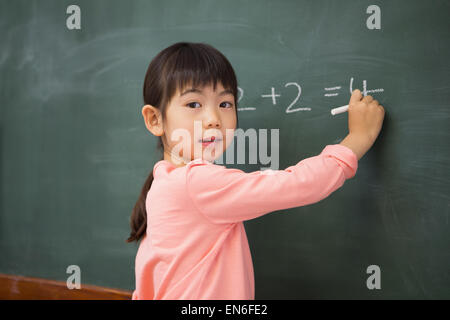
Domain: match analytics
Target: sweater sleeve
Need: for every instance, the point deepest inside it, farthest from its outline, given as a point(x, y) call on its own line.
point(225, 195)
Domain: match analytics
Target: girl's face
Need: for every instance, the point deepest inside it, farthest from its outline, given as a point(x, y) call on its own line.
point(194, 118)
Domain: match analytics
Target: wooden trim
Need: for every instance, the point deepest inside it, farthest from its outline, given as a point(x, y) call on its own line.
point(14, 287)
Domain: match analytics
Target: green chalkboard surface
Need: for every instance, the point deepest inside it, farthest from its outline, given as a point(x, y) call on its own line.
point(75, 151)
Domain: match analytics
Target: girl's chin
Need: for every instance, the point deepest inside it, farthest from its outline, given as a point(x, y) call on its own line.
point(210, 156)
point(209, 153)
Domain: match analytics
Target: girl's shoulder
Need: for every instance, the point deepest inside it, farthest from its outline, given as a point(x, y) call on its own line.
point(167, 167)
point(199, 161)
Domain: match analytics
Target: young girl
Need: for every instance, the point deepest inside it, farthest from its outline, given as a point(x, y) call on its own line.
point(193, 243)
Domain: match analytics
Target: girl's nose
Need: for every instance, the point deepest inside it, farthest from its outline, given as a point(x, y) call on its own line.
point(212, 119)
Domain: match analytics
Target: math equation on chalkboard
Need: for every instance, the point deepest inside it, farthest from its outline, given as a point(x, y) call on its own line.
point(292, 107)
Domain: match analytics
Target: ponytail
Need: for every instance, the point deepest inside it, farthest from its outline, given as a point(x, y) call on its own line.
point(138, 220)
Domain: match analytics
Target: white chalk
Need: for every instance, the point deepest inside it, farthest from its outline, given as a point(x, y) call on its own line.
point(339, 110)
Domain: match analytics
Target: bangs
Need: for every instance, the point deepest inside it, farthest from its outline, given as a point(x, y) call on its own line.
point(196, 67)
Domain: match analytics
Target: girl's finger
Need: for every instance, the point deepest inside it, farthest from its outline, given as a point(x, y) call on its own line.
point(356, 96)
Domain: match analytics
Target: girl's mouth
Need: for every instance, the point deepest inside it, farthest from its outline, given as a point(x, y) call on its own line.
point(205, 142)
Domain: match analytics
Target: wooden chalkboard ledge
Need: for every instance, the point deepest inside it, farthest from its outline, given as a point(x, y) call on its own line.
point(14, 287)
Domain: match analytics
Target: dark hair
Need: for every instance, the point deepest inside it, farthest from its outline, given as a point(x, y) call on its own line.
point(175, 67)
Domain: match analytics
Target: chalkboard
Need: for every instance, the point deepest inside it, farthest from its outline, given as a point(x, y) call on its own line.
point(75, 151)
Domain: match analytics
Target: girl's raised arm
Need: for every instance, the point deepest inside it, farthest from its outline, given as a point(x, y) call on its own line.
point(230, 195)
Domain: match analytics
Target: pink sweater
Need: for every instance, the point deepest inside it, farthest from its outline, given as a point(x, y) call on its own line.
point(196, 246)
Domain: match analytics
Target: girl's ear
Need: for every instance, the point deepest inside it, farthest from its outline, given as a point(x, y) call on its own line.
point(153, 119)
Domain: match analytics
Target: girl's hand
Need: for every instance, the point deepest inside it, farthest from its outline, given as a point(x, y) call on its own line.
point(365, 118)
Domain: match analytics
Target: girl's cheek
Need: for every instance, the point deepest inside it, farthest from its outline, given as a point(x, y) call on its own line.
point(229, 136)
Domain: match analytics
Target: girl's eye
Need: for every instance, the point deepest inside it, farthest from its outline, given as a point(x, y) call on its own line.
point(230, 105)
point(193, 103)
